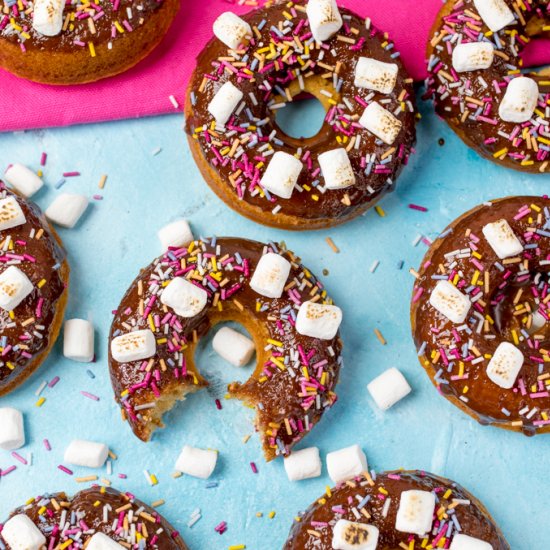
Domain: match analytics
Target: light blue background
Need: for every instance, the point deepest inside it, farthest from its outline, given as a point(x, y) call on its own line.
point(508, 471)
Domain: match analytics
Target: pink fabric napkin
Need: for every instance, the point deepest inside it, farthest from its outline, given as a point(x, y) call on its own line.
point(145, 90)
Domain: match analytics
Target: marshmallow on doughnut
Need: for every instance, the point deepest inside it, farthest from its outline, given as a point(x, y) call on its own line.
point(23, 180)
point(15, 286)
point(504, 366)
point(520, 100)
point(502, 239)
point(197, 462)
point(281, 174)
point(231, 30)
point(349, 535)
point(270, 276)
point(472, 56)
point(78, 340)
point(185, 298)
point(450, 301)
point(134, 346)
point(12, 430)
point(176, 234)
point(415, 512)
point(465, 542)
point(495, 13)
point(11, 214)
point(375, 75)
point(22, 534)
point(318, 320)
point(233, 346)
point(380, 122)
point(324, 18)
point(48, 16)
point(389, 388)
point(100, 541)
point(336, 169)
point(67, 209)
point(303, 464)
point(224, 103)
point(346, 463)
point(86, 453)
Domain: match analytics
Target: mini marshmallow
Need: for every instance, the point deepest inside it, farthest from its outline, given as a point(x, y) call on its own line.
point(197, 462)
point(380, 122)
point(415, 513)
point(86, 453)
point(66, 209)
point(504, 366)
point(495, 13)
point(324, 19)
point(349, 535)
point(233, 346)
point(12, 429)
point(472, 56)
point(303, 464)
point(133, 346)
point(270, 276)
point(375, 75)
point(281, 174)
point(176, 234)
point(15, 286)
point(47, 16)
point(23, 179)
point(21, 533)
point(336, 169)
point(502, 239)
point(78, 340)
point(100, 541)
point(465, 542)
point(232, 30)
point(224, 103)
point(389, 388)
point(450, 302)
point(318, 320)
point(185, 298)
point(346, 463)
point(520, 100)
point(11, 214)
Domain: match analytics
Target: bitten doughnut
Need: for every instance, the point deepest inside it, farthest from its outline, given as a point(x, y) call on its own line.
point(58, 42)
point(400, 509)
point(98, 518)
point(475, 81)
point(34, 279)
point(480, 313)
point(254, 66)
point(174, 302)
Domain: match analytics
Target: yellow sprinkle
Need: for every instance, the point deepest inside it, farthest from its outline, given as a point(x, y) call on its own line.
point(91, 48)
point(41, 401)
point(272, 515)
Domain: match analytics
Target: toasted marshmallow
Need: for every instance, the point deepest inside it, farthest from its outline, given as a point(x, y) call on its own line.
point(450, 301)
point(48, 16)
point(15, 286)
point(318, 320)
point(12, 429)
point(11, 214)
point(381, 123)
point(133, 346)
point(324, 19)
point(502, 239)
point(86, 453)
point(78, 340)
point(224, 103)
point(100, 541)
point(346, 463)
point(415, 513)
point(22, 534)
point(197, 462)
point(232, 30)
point(465, 542)
point(375, 75)
point(495, 13)
point(349, 535)
point(336, 169)
point(472, 56)
point(520, 100)
point(303, 464)
point(233, 346)
point(389, 388)
point(281, 174)
point(23, 180)
point(67, 209)
point(504, 366)
point(185, 298)
point(176, 234)
point(270, 276)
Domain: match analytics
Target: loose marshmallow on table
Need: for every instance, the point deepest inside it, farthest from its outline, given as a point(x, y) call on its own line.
point(349, 535)
point(465, 542)
point(336, 169)
point(224, 103)
point(185, 298)
point(495, 13)
point(504, 366)
point(231, 30)
point(100, 541)
point(197, 462)
point(133, 346)
point(78, 340)
point(176, 234)
point(520, 100)
point(375, 75)
point(23, 179)
point(450, 301)
point(15, 286)
point(303, 464)
point(270, 276)
point(22, 534)
point(324, 19)
point(86, 453)
point(380, 122)
point(389, 388)
point(318, 320)
point(12, 430)
point(233, 346)
point(346, 463)
point(281, 174)
point(66, 209)
point(415, 513)
point(11, 214)
point(48, 16)
point(502, 239)
point(473, 56)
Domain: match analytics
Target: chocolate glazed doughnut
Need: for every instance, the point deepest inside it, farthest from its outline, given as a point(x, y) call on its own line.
point(279, 180)
point(474, 79)
point(480, 313)
point(374, 502)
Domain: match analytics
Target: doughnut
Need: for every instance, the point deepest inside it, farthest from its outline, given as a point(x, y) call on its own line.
point(264, 287)
point(58, 42)
point(256, 65)
point(34, 279)
point(480, 313)
point(99, 518)
point(370, 512)
point(474, 79)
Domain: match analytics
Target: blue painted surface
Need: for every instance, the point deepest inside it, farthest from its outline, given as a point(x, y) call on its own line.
point(118, 236)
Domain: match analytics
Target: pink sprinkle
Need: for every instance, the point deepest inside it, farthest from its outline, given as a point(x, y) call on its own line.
point(254, 468)
point(70, 174)
point(90, 395)
point(65, 469)
point(43, 159)
point(122, 476)
point(418, 207)
point(8, 471)
point(47, 445)
point(218, 405)
point(17, 456)
point(98, 197)
point(53, 382)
